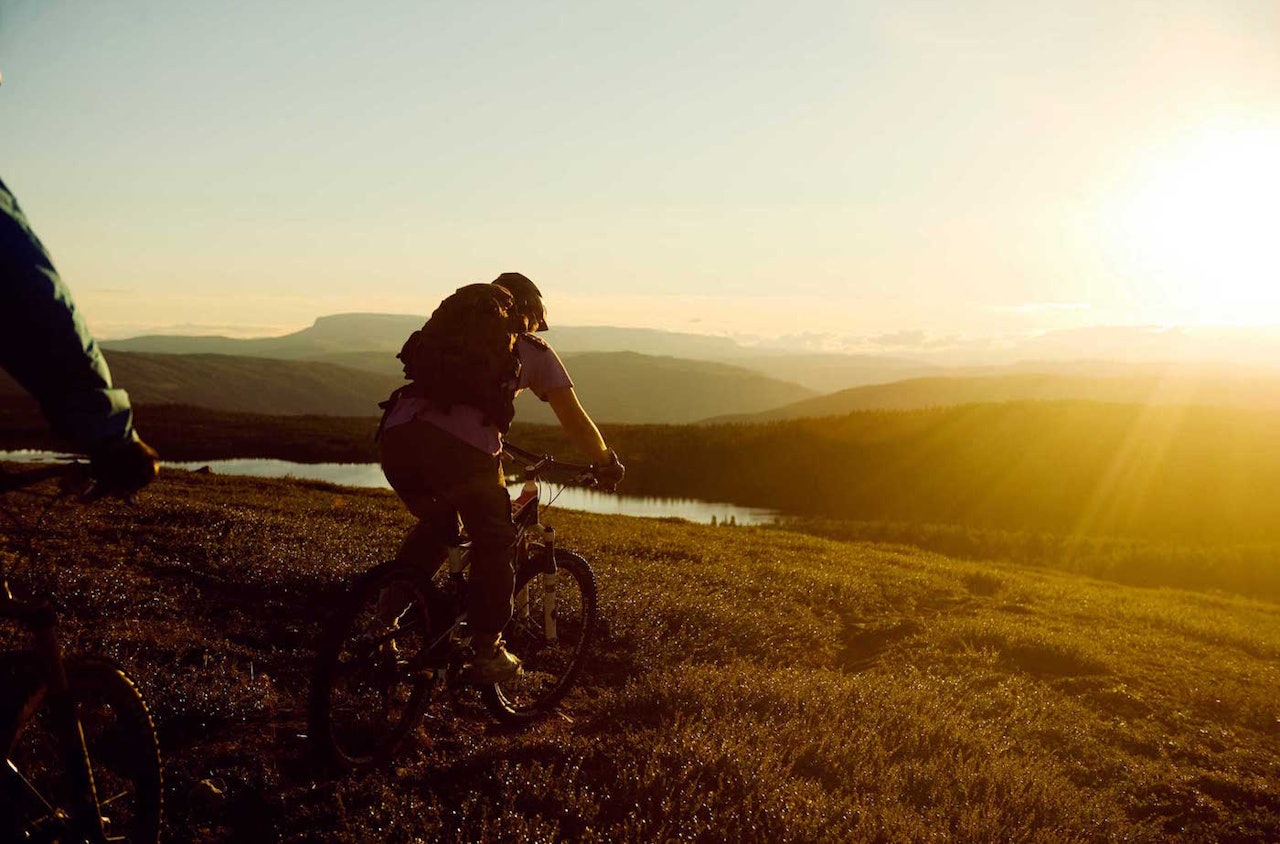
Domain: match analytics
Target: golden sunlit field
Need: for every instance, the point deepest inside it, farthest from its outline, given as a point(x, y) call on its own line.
point(750, 684)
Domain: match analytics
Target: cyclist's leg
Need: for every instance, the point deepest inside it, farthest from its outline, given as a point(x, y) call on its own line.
point(420, 459)
point(437, 528)
point(485, 508)
point(486, 512)
point(408, 462)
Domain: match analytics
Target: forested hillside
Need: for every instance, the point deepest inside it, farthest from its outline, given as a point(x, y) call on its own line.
point(1168, 474)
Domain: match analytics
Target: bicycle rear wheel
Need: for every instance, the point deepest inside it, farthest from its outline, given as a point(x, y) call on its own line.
point(123, 755)
point(553, 625)
point(371, 683)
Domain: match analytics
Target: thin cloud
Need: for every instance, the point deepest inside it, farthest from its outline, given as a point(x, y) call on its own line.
point(1042, 307)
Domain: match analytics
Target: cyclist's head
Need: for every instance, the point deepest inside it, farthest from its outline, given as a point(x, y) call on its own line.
point(528, 298)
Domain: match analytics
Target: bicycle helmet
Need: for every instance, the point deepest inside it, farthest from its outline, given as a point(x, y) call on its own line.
point(527, 295)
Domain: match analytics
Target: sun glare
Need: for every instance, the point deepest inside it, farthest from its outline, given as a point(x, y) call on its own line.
point(1204, 226)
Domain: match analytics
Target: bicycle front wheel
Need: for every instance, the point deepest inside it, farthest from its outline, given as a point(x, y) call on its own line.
point(551, 628)
point(371, 683)
point(123, 755)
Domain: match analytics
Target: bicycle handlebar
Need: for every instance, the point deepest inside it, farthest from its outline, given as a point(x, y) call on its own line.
point(536, 464)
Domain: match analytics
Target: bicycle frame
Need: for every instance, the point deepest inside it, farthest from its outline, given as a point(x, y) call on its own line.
point(527, 526)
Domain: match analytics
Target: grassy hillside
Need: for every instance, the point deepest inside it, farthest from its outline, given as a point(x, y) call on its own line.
point(750, 685)
point(1254, 390)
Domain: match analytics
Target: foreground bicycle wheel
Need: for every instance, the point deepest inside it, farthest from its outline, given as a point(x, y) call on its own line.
point(553, 624)
point(121, 743)
point(370, 687)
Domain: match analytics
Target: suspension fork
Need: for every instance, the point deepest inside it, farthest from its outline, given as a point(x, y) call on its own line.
point(544, 568)
point(549, 579)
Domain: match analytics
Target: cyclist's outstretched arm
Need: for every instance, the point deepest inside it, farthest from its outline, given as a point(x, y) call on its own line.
point(577, 424)
point(586, 436)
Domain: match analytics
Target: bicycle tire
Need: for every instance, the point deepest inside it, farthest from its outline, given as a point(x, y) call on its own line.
point(120, 739)
point(551, 665)
point(368, 690)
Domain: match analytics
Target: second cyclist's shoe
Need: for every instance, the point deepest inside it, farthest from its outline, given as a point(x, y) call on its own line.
point(493, 664)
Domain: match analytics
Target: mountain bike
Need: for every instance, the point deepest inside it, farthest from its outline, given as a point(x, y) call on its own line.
point(81, 759)
point(399, 638)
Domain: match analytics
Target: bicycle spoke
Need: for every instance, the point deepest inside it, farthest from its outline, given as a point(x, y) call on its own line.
point(550, 639)
point(366, 695)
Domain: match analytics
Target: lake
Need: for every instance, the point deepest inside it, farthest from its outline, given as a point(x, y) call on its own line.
point(370, 475)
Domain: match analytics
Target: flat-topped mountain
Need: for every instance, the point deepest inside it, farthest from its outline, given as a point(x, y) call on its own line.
point(327, 335)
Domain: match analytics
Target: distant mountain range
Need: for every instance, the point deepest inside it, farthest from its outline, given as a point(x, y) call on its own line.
point(344, 364)
point(386, 332)
point(362, 341)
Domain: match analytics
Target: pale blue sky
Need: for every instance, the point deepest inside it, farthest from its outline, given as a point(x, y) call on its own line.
point(851, 168)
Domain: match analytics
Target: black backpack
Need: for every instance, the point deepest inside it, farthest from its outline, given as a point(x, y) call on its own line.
point(465, 354)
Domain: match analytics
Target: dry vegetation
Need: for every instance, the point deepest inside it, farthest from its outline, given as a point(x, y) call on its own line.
point(750, 684)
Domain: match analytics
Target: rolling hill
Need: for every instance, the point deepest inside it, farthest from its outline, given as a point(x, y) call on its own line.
point(244, 384)
point(827, 373)
point(1169, 387)
point(625, 387)
point(615, 387)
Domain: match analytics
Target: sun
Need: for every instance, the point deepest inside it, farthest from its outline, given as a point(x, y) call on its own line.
point(1204, 227)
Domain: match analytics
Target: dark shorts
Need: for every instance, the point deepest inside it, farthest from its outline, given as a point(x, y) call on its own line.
point(441, 478)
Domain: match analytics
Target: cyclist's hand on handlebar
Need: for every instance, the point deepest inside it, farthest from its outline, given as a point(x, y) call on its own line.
point(123, 467)
point(609, 474)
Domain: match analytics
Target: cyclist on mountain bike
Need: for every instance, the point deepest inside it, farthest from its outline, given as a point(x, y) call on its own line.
point(447, 463)
point(46, 347)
